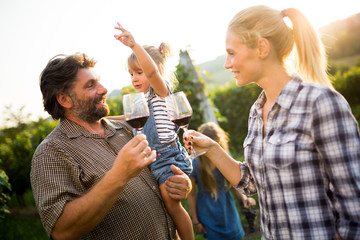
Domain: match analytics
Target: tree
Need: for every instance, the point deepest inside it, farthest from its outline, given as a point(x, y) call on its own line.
point(347, 83)
point(16, 152)
point(4, 196)
point(234, 104)
point(193, 86)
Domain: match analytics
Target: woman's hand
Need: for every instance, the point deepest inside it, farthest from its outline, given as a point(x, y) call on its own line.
point(125, 37)
point(200, 142)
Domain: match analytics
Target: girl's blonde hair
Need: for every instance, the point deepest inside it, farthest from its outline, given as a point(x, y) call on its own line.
point(216, 133)
point(258, 22)
point(159, 55)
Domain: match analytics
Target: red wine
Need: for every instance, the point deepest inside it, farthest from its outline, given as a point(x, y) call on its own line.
point(138, 122)
point(182, 121)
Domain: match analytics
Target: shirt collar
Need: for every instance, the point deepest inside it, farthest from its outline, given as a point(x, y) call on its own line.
point(289, 92)
point(74, 130)
point(286, 97)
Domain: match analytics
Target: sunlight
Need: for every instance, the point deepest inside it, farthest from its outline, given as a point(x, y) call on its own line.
point(196, 25)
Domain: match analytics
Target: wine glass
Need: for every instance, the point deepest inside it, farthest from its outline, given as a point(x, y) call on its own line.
point(136, 110)
point(180, 112)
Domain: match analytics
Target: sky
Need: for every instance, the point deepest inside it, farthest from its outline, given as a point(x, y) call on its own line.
point(34, 31)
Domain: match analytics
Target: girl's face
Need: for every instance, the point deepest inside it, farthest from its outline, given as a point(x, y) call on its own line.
point(242, 60)
point(138, 79)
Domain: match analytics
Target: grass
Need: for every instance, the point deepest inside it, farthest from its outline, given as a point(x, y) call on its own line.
point(22, 224)
point(25, 224)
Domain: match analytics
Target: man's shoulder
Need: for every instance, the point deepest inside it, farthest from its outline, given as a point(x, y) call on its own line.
point(55, 136)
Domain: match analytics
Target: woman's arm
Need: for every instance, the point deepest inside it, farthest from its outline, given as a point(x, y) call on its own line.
point(228, 166)
point(336, 138)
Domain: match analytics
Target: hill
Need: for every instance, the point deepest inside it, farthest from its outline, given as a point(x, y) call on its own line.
point(215, 73)
point(115, 93)
point(341, 38)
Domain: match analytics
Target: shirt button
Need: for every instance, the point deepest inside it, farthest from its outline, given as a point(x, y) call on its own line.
point(278, 140)
point(154, 187)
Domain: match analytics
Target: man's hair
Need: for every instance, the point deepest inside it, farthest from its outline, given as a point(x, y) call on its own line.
point(58, 76)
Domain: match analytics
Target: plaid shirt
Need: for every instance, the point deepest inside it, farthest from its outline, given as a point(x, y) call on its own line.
point(71, 160)
point(306, 167)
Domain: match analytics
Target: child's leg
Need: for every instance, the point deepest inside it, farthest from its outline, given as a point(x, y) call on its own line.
point(179, 215)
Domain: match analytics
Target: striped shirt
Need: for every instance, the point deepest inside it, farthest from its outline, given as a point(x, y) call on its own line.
point(306, 166)
point(165, 127)
point(71, 160)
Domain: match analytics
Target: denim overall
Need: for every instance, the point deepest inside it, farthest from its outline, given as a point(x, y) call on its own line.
point(166, 154)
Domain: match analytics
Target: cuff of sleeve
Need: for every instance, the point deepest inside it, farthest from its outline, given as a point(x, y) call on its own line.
point(244, 181)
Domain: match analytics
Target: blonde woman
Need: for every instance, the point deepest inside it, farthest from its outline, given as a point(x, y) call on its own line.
point(212, 207)
point(302, 151)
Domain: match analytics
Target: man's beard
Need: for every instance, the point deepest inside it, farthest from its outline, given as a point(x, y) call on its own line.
point(87, 110)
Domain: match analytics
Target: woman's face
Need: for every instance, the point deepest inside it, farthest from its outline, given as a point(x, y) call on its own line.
point(242, 60)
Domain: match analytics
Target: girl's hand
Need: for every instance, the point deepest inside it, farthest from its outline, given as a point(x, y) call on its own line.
point(125, 37)
point(249, 202)
point(199, 228)
point(200, 142)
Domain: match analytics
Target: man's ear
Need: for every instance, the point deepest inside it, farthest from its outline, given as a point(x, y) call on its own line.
point(263, 48)
point(64, 100)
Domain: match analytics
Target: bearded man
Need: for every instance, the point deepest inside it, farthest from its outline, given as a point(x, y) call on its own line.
point(89, 176)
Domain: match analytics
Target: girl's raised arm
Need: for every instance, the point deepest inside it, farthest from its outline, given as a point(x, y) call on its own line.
point(147, 64)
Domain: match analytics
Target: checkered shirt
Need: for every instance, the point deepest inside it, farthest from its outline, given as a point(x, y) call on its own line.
point(71, 160)
point(306, 168)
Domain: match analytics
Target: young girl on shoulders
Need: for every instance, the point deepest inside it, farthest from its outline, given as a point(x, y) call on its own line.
point(146, 67)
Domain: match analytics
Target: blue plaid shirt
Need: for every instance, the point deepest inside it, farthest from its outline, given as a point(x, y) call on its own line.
point(306, 168)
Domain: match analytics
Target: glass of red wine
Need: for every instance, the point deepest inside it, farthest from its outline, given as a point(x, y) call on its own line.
point(136, 110)
point(180, 112)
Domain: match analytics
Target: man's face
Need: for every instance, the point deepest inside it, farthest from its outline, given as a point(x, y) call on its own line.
point(88, 97)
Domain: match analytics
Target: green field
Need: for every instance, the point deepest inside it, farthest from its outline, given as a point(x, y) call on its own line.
point(24, 223)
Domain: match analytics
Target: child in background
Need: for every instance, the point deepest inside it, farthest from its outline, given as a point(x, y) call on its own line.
point(213, 209)
point(146, 67)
